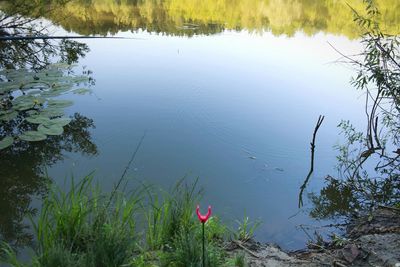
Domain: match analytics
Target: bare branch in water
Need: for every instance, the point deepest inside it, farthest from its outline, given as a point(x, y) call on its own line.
point(319, 122)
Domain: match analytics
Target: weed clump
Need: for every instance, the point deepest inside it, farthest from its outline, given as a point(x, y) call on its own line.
point(87, 227)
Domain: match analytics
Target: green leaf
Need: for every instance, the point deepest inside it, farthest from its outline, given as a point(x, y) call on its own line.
point(60, 122)
point(32, 112)
point(50, 129)
point(82, 91)
point(6, 142)
point(52, 112)
point(59, 103)
point(32, 136)
point(24, 106)
point(9, 116)
point(37, 119)
point(80, 79)
point(2, 112)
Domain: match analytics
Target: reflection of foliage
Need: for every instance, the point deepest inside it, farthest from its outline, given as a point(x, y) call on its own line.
point(23, 174)
point(192, 17)
point(25, 94)
point(20, 18)
point(38, 53)
point(335, 199)
point(26, 98)
point(370, 161)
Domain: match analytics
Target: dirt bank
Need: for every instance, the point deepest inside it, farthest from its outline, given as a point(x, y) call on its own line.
point(372, 240)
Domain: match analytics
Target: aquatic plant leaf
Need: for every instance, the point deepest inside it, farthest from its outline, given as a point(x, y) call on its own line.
point(52, 112)
point(35, 92)
point(57, 91)
point(32, 112)
point(24, 106)
point(6, 142)
point(37, 119)
point(9, 116)
point(79, 79)
point(2, 112)
point(28, 100)
point(50, 129)
point(60, 122)
point(32, 136)
point(59, 103)
point(6, 87)
point(82, 91)
point(59, 65)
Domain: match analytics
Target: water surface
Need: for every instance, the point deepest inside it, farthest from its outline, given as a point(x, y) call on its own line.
point(236, 110)
point(229, 94)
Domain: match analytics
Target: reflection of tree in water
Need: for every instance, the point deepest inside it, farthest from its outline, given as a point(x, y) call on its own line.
point(369, 161)
point(193, 17)
point(23, 174)
point(23, 165)
point(20, 18)
point(38, 53)
point(334, 200)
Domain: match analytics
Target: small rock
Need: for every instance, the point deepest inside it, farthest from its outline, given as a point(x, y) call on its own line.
point(350, 252)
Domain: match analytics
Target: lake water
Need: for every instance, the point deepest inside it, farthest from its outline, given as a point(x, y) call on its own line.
point(231, 102)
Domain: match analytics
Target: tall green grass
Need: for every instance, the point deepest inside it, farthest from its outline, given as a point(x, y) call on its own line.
point(147, 227)
point(172, 229)
point(82, 227)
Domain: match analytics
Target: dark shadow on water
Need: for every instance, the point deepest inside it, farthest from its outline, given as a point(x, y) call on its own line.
point(23, 173)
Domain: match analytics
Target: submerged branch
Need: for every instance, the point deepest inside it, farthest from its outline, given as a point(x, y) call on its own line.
point(319, 122)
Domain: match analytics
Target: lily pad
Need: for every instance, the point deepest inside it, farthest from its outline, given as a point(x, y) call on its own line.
point(82, 91)
point(80, 79)
point(24, 106)
point(50, 129)
point(60, 122)
point(59, 103)
point(38, 119)
point(32, 112)
point(32, 136)
point(34, 92)
point(2, 112)
point(6, 142)
point(9, 116)
point(52, 112)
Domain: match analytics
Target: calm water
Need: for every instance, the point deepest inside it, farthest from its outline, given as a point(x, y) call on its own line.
point(234, 105)
point(210, 104)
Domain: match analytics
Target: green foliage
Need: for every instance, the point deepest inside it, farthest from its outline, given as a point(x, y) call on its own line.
point(26, 100)
point(6, 142)
point(78, 229)
point(8, 255)
point(240, 260)
point(192, 17)
point(246, 229)
point(20, 18)
point(338, 241)
point(167, 213)
point(32, 136)
point(85, 227)
point(186, 250)
point(369, 161)
point(172, 228)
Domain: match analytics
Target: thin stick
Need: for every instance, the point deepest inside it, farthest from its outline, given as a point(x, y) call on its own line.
point(246, 249)
point(303, 187)
point(127, 168)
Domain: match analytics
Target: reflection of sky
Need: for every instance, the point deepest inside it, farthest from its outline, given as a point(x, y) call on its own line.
point(210, 103)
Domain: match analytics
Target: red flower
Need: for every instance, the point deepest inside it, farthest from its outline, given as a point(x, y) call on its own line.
point(203, 218)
